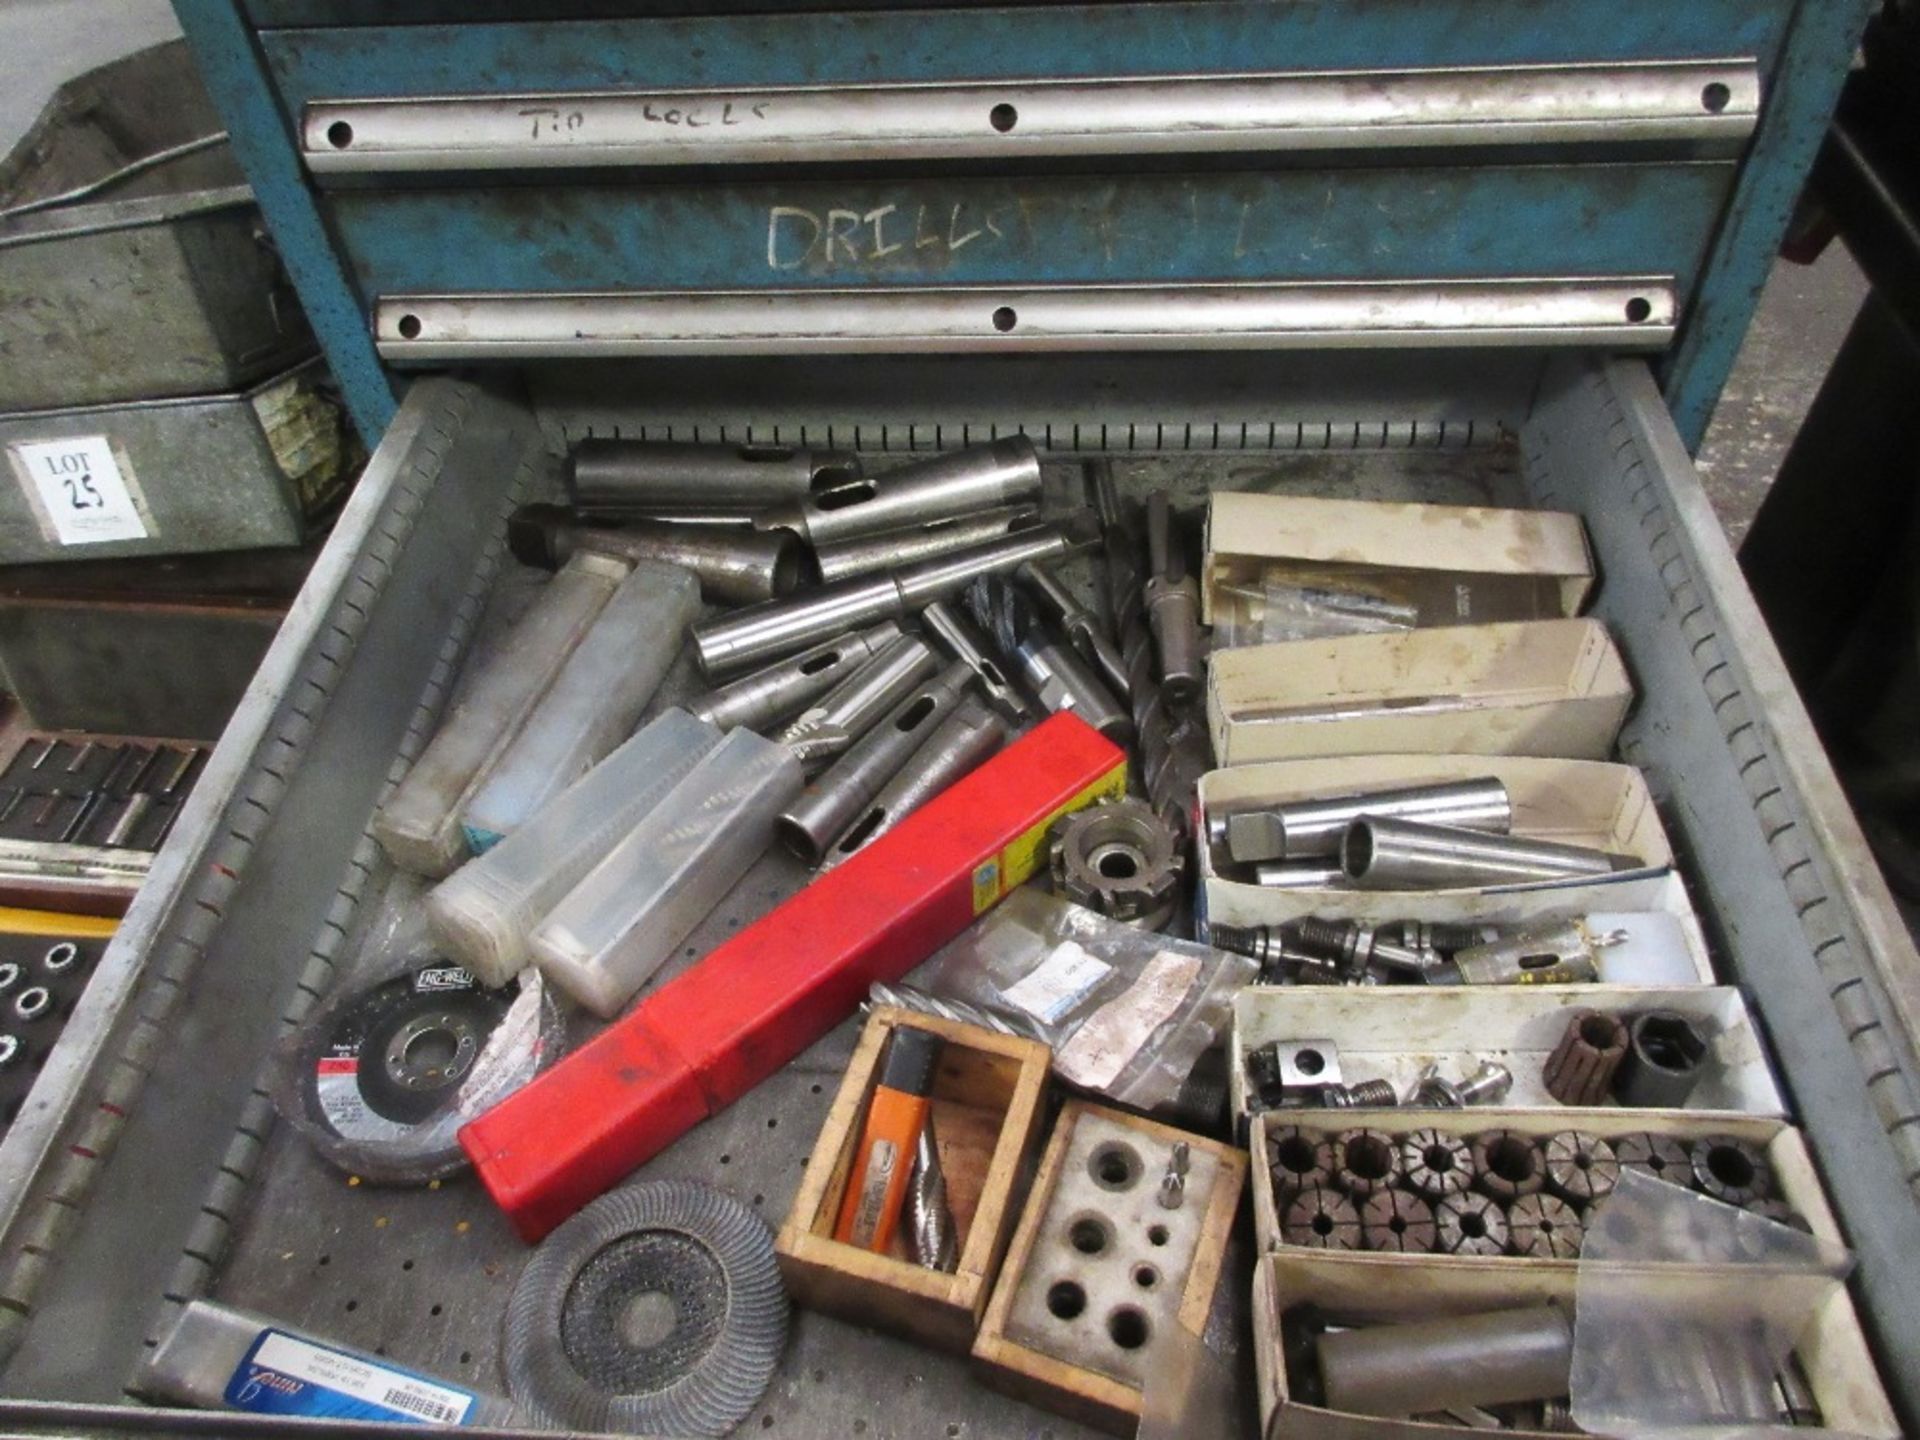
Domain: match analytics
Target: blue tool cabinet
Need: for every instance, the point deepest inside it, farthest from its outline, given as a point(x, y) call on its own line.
point(1496, 251)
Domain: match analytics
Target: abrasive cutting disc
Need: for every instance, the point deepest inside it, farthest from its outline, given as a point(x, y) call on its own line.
point(381, 1077)
point(656, 1309)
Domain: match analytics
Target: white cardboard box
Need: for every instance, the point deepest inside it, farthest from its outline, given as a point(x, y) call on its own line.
point(1392, 1032)
point(1460, 564)
point(1385, 1289)
point(1578, 802)
point(1540, 687)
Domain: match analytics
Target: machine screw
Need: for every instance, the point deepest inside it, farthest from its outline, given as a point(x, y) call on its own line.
point(1486, 1086)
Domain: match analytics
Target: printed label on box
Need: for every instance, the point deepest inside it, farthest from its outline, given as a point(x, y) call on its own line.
point(83, 493)
point(1058, 983)
point(285, 1375)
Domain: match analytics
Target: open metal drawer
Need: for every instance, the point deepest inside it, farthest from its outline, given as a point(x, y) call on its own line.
point(147, 1168)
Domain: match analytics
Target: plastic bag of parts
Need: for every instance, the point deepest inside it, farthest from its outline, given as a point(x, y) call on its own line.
point(1275, 611)
point(1127, 1012)
point(1191, 1391)
point(406, 1049)
point(1688, 1309)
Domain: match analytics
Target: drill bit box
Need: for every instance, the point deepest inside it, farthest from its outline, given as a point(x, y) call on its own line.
point(1588, 804)
point(1506, 1189)
point(1539, 687)
point(1299, 1294)
point(1423, 565)
point(1392, 1034)
point(987, 1102)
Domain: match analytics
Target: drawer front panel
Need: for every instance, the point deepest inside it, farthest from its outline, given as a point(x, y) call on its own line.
point(1709, 106)
point(1447, 223)
point(1058, 42)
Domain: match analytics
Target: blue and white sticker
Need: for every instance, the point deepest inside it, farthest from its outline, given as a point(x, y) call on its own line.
point(285, 1375)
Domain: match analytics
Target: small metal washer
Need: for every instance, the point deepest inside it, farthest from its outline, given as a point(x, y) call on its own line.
point(1470, 1224)
point(11, 1049)
point(1581, 1167)
point(9, 976)
point(1544, 1227)
point(33, 1002)
point(1435, 1163)
point(63, 956)
point(416, 1075)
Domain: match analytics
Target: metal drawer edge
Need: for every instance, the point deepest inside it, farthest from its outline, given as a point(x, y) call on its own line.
point(1705, 102)
point(1619, 313)
point(1740, 775)
point(88, 1103)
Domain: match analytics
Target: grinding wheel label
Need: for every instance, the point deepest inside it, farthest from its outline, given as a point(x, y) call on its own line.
point(285, 1375)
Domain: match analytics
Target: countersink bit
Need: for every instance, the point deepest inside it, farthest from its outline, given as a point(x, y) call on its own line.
point(1173, 1185)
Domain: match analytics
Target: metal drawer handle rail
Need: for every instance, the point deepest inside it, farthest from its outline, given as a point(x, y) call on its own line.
point(1701, 102)
point(1634, 312)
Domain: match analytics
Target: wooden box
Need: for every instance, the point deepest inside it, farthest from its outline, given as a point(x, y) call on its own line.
point(1080, 1392)
point(986, 1117)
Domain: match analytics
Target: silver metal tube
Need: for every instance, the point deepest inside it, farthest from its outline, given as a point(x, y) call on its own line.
point(957, 633)
point(853, 706)
point(1082, 627)
point(1172, 602)
point(1385, 854)
point(1004, 472)
point(821, 813)
point(779, 627)
point(766, 697)
point(735, 564)
point(963, 741)
point(890, 549)
point(1063, 681)
point(1300, 875)
point(1310, 829)
point(665, 478)
point(1496, 1358)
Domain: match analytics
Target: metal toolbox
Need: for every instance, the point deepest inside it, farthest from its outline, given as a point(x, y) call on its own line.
point(237, 471)
point(1361, 314)
point(147, 1167)
point(134, 264)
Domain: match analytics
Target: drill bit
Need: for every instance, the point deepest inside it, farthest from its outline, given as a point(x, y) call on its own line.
point(905, 997)
point(929, 1221)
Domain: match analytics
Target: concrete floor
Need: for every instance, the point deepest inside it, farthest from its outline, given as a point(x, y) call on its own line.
point(1804, 315)
point(1804, 312)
